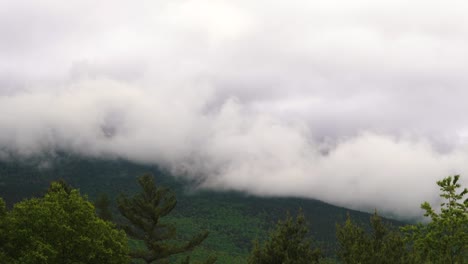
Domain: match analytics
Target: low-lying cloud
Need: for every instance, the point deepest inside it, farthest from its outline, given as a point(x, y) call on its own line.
point(356, 103)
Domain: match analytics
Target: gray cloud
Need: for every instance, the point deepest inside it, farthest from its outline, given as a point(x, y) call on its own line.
point(357, 103)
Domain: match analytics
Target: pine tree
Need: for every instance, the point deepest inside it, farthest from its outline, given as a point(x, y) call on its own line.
point(381, 245)
point(287, 244)
point(144, 212)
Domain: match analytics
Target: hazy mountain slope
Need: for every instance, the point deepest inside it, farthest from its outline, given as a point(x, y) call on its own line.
point(233, 218)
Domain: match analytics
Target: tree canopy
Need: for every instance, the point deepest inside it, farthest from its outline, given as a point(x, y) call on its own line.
point(60, 227)
point(287, 244)
point(382, 244)
point(444, 239)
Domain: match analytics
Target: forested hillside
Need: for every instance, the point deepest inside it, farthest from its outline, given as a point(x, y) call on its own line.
point(233, 219)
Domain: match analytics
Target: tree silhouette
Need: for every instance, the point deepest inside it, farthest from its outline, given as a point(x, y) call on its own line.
point(144, 212)
point(287, 244)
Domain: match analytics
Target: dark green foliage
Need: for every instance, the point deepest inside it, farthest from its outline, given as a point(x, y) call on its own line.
point(144, 211)
point(445, 238)
point(380, 245)
point(102, 205)
point(61, 228)
point(234, 219)
point(287, 244)
point(3, 209)
point(210, 260)
point(3, 230)
point(59, 186)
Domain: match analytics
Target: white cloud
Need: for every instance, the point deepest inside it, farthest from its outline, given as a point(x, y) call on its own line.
point(358, 103)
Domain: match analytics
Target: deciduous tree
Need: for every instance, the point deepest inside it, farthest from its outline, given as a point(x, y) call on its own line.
point(60, 227)
point(445, 238)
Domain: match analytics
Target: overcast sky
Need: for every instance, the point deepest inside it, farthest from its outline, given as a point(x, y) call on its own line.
point(359, 103)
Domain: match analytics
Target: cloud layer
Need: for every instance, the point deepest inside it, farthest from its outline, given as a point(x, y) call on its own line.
point(357, 103)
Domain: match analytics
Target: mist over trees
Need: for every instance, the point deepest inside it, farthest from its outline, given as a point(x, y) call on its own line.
point(444, 239)
point(242, 103)
point(243, 110)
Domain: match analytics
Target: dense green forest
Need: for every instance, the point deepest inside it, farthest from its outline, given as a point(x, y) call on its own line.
point(226, 227)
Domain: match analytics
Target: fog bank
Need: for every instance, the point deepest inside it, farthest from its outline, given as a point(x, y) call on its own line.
point(357, 103)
